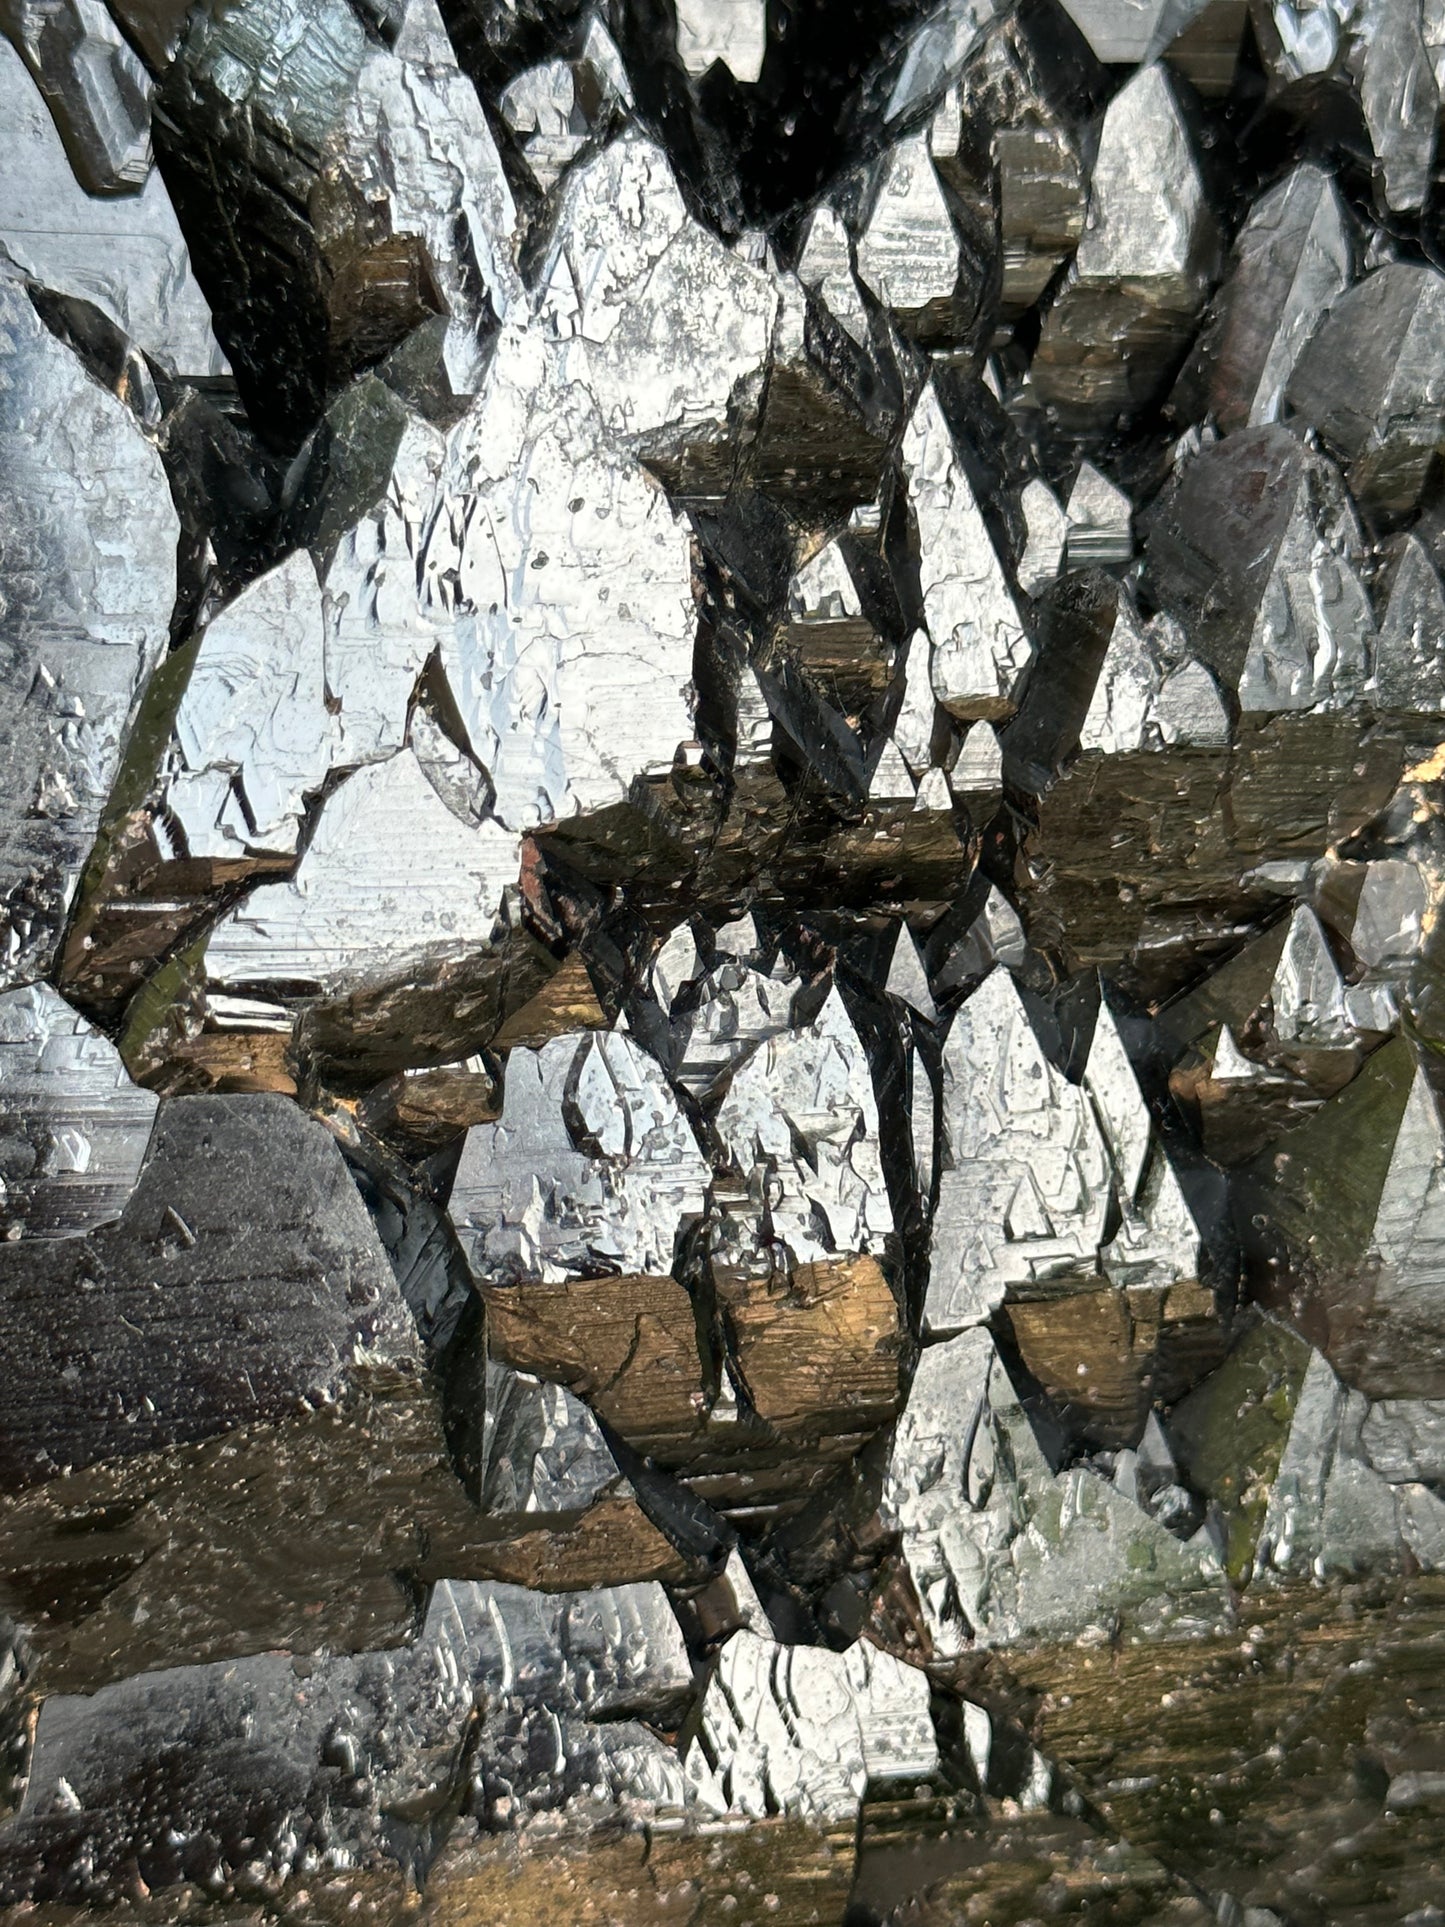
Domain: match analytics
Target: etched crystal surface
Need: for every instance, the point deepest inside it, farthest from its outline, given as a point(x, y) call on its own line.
point(721, 981)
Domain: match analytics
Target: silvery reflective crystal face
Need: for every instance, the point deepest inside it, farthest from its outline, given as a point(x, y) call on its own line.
point(720, 878)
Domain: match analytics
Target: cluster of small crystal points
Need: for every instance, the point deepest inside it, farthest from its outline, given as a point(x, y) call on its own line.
point(722, 1162)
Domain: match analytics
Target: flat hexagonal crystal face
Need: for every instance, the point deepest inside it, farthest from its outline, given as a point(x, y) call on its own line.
point(721, 872)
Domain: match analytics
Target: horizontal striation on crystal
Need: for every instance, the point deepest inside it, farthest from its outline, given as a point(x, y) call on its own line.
point(720, 964)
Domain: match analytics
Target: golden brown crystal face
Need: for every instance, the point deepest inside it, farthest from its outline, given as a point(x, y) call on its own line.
point(720, 1004)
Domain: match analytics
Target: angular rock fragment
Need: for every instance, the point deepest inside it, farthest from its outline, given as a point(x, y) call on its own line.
point(1284, 620)
point(632, 309)
point(806, 1731)
point(1034, 1169)
point(995, 936)
point(1121, 32)
point(800, 1111)
point(1230, 1433)
point(253, 1361)
point(1291, 262)
point(1275, 1442)
point(557, 108)
point(1345, 1217)
point(1203, 42)
point(734, 32)
point(907, 979)
point(1407, 649)
point(1368, 381)
point(1256, 557)
point(338, 194)
point(1399, 98)
point(834, 645)
point(691, 879)
point(124, 254)
point(1152, 693)
point(89, 579)
point(1275, 1031)
point(1307, 996)
point(1000, 1547)
point(1404, 1439)
point(1007, 143)
point(76, 1128)
point(1329, 1510)
point(1041, 209)
point(1099, 522)
point(908, 253)
point(386, 1745)
point(555, 1508)
point(817, 1352)
point(738, 1008)
point(97, 91)
point(250, 1451)
point(565, 1207)
point(254, 733)
point(1048, 534)
point(578, 545)
point(980, 646)
point(1390, 912)
point(591, 1168)
point(1119, 326)
point(825, 268)
point(468, 688)
point(1024, 1189)
point(390, 879)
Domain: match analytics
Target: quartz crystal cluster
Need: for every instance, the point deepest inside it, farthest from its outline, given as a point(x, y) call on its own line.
point(722, 845)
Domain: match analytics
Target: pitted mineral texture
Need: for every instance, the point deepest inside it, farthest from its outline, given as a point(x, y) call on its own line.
point(721, 967)
point(316, 1766)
